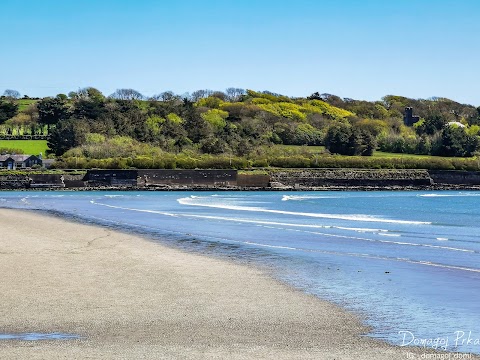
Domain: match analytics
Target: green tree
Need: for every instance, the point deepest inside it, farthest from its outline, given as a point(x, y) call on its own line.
point(197, 128)
point(337, 140)
point(52, 110)
point(66, 135)
point(456, 142)
point(216, 118)
point(8, 109)
point(430, 125)
point(345, 139)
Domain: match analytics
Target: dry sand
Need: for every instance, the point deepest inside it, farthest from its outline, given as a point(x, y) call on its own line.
point(130, 298)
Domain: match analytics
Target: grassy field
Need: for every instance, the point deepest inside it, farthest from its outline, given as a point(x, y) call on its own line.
point(316, 150)
point(23, 104)
point(309, 149)
point(398, 156)
point(30, 147)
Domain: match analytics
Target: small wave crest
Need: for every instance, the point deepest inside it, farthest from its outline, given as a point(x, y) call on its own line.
point(305, 197)
point(449, 195)
point(200, 201)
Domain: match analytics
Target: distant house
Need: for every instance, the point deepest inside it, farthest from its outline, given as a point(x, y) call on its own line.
point(12, 162)
point(409, 119)
point(456, 123)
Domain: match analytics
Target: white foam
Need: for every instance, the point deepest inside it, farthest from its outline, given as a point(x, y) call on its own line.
point(264, 222)
point(365, 218)
point(450, 195)
point(274, 225)
point(392, 235)
point(284, 224)
point(360, 229)
point(132, 209)
point(305, 197)
point(442, 239)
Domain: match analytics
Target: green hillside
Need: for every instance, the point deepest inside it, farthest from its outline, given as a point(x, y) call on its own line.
point(23, 104)
point(31, 147)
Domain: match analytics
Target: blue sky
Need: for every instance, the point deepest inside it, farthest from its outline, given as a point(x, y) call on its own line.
point(359, 49)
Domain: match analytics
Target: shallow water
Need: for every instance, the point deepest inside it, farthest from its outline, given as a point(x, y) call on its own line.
point(407, 261)
point(38, 336)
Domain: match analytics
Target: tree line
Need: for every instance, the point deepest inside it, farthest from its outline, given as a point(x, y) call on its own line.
point(239, 122)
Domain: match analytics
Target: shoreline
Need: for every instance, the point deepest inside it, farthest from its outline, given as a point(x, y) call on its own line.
point(128, 296)
point(336, 179)
point(437, 187)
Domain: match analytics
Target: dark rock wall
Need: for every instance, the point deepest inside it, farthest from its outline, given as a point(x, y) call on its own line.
point(188, 177)
point(287, 178)
point(253, 180)
point(455, 177)
point(350, 177)
point(14, 182)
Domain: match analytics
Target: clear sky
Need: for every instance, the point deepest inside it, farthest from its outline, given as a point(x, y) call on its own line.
point(362, 49)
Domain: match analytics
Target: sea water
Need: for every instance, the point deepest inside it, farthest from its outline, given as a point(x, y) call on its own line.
point(407, 262)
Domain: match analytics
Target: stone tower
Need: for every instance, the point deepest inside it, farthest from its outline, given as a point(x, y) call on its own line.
point(409, 119)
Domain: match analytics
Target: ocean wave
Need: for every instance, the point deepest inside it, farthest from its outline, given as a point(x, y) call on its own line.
point(449, 195)
point(264, 222)
point(306, 197)
point(403, 243)
point(274, 225)
point(289, 226)
point(359, 217)
point(132, 209)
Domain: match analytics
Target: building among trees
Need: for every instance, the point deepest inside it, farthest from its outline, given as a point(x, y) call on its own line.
point(409, 119)
point(12, 162)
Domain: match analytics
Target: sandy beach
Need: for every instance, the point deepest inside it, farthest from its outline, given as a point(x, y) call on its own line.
point(131, 298)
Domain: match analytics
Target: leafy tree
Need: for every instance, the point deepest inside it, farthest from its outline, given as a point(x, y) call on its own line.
point(430, 125)
point(197, 128)
point(338, 139)
point(344, 139)
point(89, 103)
point(154, 124)
point(456, 142)
point(213, 145)
point(8, 109)
point(211, 102)
point(52, 110)
point(216, 118)
point(66, 135)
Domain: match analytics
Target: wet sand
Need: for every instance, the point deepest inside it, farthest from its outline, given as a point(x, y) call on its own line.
point(131, 298)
